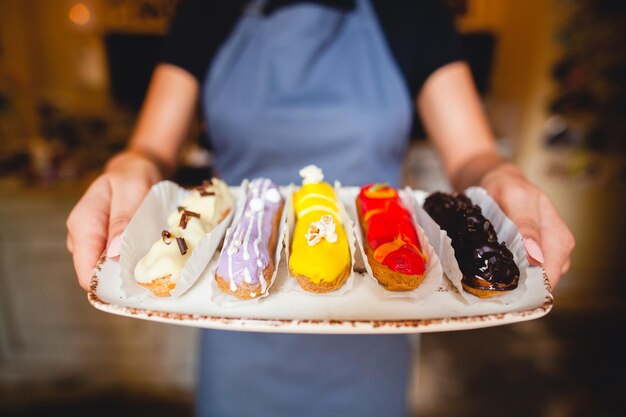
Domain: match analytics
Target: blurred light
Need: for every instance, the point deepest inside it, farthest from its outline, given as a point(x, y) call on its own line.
point(79, 14)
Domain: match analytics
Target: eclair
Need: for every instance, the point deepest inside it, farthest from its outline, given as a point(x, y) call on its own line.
point(195, 216)
point(246, 263)
point(390, 239)
point(488, 266)
point(320, 256)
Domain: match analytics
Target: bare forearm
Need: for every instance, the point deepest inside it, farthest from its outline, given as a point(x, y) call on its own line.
point(165, 117)
point(476, 168)
point(454, 119)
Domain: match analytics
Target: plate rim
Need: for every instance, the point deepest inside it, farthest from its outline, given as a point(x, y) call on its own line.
point(322, 326)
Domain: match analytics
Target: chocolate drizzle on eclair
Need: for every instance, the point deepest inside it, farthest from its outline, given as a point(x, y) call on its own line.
point(486, 264)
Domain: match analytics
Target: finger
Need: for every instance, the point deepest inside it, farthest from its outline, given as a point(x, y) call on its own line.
point(114, 246)
point(523, 209)
point(87, 227)
point(86, 257)
point(557, 242)
point(535, 254)
point(552, 265)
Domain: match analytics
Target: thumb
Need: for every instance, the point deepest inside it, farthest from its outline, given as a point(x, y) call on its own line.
point(125, 201)
point(87, 228)
point(117, 223)
point(524, 213)
point(531, 237)
point(521, 201)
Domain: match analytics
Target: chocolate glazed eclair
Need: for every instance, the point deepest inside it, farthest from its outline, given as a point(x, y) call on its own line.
point(487, 265)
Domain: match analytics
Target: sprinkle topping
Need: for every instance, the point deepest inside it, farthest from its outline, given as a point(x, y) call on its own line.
point(184, 218)
point(166, 236)
point(205, 189)
point(182, 245)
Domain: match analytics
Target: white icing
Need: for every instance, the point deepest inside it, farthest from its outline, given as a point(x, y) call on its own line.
point(311, 174)
point(257, 204)
point(317, 207)
point(246, 239)
point(230, 268)
point(484, 268)
point(262, 281)
point(246, 276)
point(233, 285)
point(205, 206)
point(164, 259)
point(259, 230)
point(257, 250)
point(316, 195)
point(160, 261)
point(193, 233)
point(272, 195)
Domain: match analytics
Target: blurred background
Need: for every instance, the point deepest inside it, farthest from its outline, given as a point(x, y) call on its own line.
point(72, 77)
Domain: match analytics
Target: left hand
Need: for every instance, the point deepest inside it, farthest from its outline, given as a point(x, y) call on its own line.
point(547, 239)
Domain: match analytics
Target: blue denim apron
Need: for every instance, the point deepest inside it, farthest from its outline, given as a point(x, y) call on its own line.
point(308, 84)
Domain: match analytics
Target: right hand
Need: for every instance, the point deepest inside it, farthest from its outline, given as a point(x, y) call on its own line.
point(101, 215)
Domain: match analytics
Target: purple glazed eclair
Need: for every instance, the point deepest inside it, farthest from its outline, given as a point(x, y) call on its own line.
point(246, 263)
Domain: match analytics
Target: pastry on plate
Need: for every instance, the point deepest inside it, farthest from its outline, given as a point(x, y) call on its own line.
point(320, 256)
point(195, 216)
point(246, 262)
point(488, 267)
point(390, 239)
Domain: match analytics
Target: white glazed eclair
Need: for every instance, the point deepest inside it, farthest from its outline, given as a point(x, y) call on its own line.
point(196, 215)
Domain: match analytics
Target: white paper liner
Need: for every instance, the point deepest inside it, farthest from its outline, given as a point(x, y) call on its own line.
point(145, 228)
point(292, 284)
point(439, 241)
point(505, 230)
point(434, 272)
point(218, 297)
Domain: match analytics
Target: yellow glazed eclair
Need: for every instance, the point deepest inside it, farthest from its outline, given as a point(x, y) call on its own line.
point(320, 255)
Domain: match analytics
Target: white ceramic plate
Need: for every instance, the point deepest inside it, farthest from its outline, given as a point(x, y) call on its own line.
point(364, 309)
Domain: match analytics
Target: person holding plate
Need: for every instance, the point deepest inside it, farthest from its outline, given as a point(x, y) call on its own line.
point(285, 84)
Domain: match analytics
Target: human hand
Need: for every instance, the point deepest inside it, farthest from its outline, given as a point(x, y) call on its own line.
point(547, 239)
point(100, 216)
point(452, 112)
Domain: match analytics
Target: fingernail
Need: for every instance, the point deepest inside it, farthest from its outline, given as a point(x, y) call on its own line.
point(533, 250)
point(114, 247)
